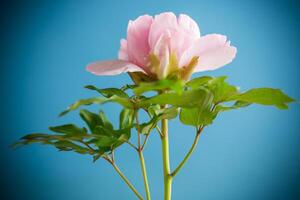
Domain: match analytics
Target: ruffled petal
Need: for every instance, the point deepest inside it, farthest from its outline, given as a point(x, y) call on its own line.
point(192, 51)
point(161, 24)
point(137, 40)
point(112, 67)
point(162, 51)
point(188, 25)
point(213, 50)
point(123, 54)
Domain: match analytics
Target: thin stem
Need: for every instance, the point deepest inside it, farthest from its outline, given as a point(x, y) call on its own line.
point(142, 160)
point(159, 131)
point(157, 127)
point(92, 151)
point(166, 160)
point(124, 178)
point(144, 171)
point(113, 156)
point(187, 156)
point(145, 141)
point(132, 145)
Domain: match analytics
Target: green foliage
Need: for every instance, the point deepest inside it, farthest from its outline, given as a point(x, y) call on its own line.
point(126, 118)
point(69, 129)
point(109, 92)
point(198, 82)
point(157, 114)
point(189, 98)
point(98, 100)
point(198, 102)
point(159, 86)
point(265, 96)
point(197, 116)
point(91, 119)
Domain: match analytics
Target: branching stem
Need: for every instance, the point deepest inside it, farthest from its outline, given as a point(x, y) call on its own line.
point(108, 159)
point(188, 155)
point(142, 160)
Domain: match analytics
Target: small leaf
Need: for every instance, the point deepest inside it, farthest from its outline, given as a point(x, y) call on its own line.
point(70, 146)
point(154, 109)
point(165, 84)
point(105, 121)
point(108, 92)
point(166, 113)
point(108, 139)
point(127, 86)
point(236, 105)
point(126, 118)
point(146, 127)
point(265, 96)
point(98, 100)
point(102, 131)
point(190, 98)
point(197, 116)
point(69, 129)
point(105, 143)
point(200, 115)
point(91, 119)
point(97, 156)
point(221, 90)
point(198, 82)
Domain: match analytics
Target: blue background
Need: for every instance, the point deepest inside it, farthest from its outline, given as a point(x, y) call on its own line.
point(251, 153)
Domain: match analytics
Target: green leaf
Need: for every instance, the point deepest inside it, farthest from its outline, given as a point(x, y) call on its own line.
point(109, 92)
point(97, 156)
point(198, 82)
point(190, 98)
point(146, 127)
point(221, 90)
point(104, 121)
point(98, 100)
point(154, 109)
point(236, 105)
point(91, 119)
point(197, 116)
point(109, 139)
point(200, 115)
point(126, 118)
point(265, 96)
point(165, 84)
point(127, 86)
point(166, 113)
point(105, 143)
point(35, 138)
point(70, 146)
point(69, 129)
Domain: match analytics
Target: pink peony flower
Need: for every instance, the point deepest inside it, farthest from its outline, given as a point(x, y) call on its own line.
point(166, 45)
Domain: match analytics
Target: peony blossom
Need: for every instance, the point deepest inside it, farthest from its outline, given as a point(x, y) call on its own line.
point(164, 45)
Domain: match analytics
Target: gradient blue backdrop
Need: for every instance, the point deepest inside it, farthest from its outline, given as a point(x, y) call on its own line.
point(247, 154)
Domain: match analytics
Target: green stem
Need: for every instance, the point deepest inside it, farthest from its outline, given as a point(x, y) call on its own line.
point(188, 155)
point(144, 171)
point(142, 160)
point(126, 181)
point(166, 161)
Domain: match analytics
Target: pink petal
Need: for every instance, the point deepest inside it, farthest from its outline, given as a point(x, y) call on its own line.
point(214, 51)
point(123, 55)
point(180, 42)
point(163, 22)
point(162, 51)
point(137, 40)
point(191, 52)
point(188, 25)
point(112, 67)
